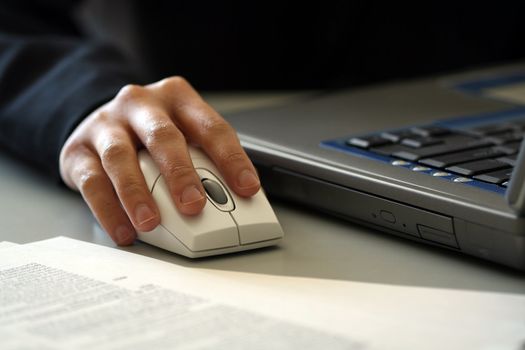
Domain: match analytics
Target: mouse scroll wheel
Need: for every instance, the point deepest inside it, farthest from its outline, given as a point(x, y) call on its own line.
point(215, 191)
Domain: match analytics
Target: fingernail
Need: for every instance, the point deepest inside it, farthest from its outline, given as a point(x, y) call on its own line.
point(191, 194)
point(143, 214)
point(123, 234)
point(247, 179)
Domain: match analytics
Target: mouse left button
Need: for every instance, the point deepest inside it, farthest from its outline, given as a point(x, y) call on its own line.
point(149, 168)
point(211, 229)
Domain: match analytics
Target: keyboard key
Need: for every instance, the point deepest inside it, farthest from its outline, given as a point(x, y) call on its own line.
point(367, 141)
point(440, 174)
point(491, 129)
point(510, 148)
point(418, 142)
point(495, 177)
point(430, 130)
point(477, 167)
point(462, 179)
point(420, 168)
point(397, 135)
point(510, 160)
point(399, 162)
point(452, 144)
point(518, 124)
point(461, 157)
point(389, 150)
point(504, 138)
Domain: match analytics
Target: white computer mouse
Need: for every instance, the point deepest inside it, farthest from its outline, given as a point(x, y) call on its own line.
point(228, 223)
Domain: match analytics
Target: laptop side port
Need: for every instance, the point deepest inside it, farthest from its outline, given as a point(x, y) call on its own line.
point(384, 214)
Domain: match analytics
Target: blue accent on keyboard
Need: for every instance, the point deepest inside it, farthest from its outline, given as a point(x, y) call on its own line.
point(341, 146)
point(465, 122)
point(457, 123)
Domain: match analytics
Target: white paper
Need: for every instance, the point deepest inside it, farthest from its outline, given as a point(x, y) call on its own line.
point(6, 244)
point(75, 295)
point(67, 294)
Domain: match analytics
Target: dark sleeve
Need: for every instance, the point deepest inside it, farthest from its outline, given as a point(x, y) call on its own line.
point(51, 77)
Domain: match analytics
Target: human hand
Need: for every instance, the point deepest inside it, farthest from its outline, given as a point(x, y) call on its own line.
point(99, 159)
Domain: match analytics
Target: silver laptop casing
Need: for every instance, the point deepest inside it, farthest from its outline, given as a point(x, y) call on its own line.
point(284, 143)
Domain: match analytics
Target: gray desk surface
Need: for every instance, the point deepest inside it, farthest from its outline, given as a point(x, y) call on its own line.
point(33, 208)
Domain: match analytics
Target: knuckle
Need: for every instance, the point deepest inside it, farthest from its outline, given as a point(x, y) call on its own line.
point(112, 152)
point(161, 132)
point(175, 82)
point(71, 149)
point(216, 128)
point(232, 157)
point(72, 153)
point(131, 92)
point(178, 170)
point(129, 187)
point(89, 182)
point(101, 116)
point(70, 156)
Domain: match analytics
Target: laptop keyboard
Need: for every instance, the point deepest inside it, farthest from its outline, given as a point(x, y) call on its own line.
point(485, 153)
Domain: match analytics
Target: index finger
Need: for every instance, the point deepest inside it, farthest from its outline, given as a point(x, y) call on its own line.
point(204, 126)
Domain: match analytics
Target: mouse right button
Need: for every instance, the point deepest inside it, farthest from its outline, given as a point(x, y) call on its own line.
point(256, 220)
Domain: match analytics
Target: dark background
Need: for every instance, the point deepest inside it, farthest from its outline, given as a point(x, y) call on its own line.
point(61, 59)
point(294, 45)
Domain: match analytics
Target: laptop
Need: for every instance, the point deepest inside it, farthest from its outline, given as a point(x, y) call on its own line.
point(436, 160)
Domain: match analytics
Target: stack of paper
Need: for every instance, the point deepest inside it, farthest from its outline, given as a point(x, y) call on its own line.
point(66, 294)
